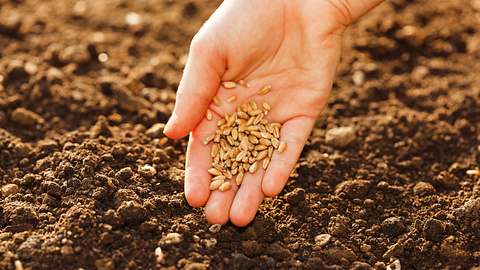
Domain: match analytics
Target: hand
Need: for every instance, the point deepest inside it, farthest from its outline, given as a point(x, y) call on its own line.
point(294, 46)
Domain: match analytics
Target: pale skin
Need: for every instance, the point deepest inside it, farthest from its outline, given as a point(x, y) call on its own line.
point(292, 45)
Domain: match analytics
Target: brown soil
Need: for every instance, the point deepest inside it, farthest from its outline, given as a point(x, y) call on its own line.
point(73, 136)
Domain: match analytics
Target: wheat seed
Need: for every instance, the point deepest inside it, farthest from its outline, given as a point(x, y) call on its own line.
point(265, 164)
point(239, 178)
point(218, 177)
point(253, 168)
point(243, 83)
point(229, 85)
point(231, 99)
point(225, 186)
point(216, 184)
point(209, 115)
point(244, 141)
point(282, 146)
point(208, 139)
point(214, 171)
point(264, 90)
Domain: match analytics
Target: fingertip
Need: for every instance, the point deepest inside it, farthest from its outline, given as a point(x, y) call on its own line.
point(196, 199)
point(173, 131)
point(240, 219)
point(271, 188)
point(215, 216)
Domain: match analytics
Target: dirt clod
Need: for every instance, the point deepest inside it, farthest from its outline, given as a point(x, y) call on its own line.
point(124, 173)
point(393, 226)
point(353, 188)
point(433, 229)
point(132, 212)
point(423, 189)
point(10, 189)
point(25, 117)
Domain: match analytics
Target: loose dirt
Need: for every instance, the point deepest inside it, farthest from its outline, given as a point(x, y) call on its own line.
point(88, 181)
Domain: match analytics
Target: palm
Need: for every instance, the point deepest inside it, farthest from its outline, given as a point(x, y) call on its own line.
point(270, 47)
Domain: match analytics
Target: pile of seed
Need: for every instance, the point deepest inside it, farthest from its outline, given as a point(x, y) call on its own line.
point(243, 142)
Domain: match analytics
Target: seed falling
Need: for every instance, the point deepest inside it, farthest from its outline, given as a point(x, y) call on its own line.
point(243, 142)
point(264, 90)
point(231, 99)
point(209, 115)
point(229, 85)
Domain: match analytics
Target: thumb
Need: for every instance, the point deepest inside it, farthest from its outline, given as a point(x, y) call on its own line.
point(199, 84)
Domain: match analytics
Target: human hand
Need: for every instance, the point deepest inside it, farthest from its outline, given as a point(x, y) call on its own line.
point(294, 46)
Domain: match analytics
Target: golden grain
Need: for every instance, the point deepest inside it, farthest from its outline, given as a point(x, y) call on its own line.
point(243, 83)
point(262, 155)
point(225, 186)
point(231, 99)
point(218, 177)
point(229, 85)
point(208, 139)
point(239, 178)
point(242, 140)
point(209, 115)
point(216, 184)
point(275, 142)
point(253, 168)
point(282, 146)
point(264, 90)
point(265, 164)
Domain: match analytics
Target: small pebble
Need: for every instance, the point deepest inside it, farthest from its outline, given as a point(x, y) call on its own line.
point(215, 228)
point(155, 131)
point(358, 77)
point(423, 188)
point(147, 171)
point(340, 137)
point(322, 239)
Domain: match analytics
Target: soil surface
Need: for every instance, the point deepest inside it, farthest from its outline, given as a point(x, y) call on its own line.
point(88, 181)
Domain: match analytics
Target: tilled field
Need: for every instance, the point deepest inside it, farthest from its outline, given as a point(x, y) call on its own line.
point(88, 181)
